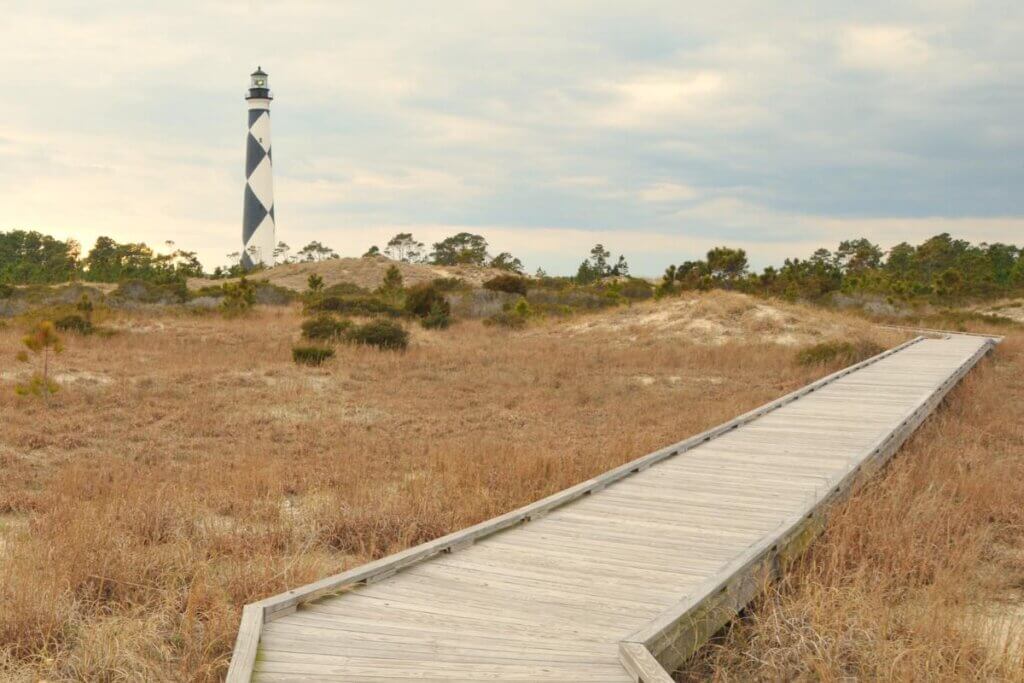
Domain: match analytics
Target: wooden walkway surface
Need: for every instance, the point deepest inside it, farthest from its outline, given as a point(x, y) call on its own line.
point(621, 577)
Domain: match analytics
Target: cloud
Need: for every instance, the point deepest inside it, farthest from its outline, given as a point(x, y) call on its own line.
point(883, 48)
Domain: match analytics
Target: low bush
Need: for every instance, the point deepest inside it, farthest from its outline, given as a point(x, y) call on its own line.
point(384, 334)
point(145, 292)
point(439, 317)
point(513, 284)
point(74, 323)
point(841, 353)
point(367, 306)
point(239, 298)
point(312, 355)
point(325, 327)
point(514, 317)
point(421, 299)
point(345, 289)
point(450, 284)
point(5, 290)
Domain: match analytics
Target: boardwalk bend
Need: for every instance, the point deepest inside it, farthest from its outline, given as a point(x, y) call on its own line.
point(619, 578)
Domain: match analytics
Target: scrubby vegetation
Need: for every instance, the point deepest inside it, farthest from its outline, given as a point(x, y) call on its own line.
point(43, 343)
point(74, 323)
point(325, 327)
point(312, 355)
point(384, 334)
point(838, 353)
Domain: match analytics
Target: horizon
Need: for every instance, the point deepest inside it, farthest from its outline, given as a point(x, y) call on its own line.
point(659, 134)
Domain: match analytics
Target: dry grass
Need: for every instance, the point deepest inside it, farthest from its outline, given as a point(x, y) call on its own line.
point(920, 575)
point(188, 466)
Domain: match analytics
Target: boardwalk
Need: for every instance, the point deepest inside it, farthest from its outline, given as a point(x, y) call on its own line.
point(619, 577)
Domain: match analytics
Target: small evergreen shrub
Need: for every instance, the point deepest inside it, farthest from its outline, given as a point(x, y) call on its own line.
point(311, 355)
point(5, 290)
point(439, 317)
point(421, 299)
point(325, 327)
point(384, 334)
point(239, 297)
point(513, 284)
point(74, 323)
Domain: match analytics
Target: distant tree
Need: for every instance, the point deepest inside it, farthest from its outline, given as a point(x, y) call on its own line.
point(402, 247)
point(281, 253)
point(726, 265)
point(458, 249)
point(506, 261)
point(857, 256)
point(34, 258)
point(372, 251)
point(621, 268)
point(315, 251)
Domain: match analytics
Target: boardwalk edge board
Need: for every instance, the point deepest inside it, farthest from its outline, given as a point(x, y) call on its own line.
point(675, 635)
point(646, 653)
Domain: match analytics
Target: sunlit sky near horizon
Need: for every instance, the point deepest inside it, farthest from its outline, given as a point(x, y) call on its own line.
point(660, 129)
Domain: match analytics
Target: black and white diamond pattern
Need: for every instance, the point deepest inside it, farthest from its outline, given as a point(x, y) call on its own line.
point(258, 212)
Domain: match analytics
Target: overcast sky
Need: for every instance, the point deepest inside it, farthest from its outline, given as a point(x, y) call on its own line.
point(657, 128)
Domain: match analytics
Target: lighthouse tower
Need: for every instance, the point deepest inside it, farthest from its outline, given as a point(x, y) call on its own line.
point(258, 238)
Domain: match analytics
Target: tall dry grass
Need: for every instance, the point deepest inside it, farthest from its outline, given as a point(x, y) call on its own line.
point(188, 466)
point(920, 574)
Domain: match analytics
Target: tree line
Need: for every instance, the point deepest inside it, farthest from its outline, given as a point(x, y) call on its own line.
point(941, 267)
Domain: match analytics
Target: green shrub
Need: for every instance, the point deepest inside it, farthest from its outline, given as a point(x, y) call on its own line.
point(439, 317)
point(269, 294)
point(421, 299)
point(636, 289)
point(367, 306)
point(74, 323)
point(325, 327)
point(840, 353)
point(383, 334)
point(513, 284)
point(239, 297)
point(311, 355)
point(345, 289)
point(5, 290)
point(513, 317)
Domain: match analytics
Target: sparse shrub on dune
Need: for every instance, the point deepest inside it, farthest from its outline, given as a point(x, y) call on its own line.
point(43, 342)
point(325, 327)
point(514, 317)
point(839, 353)
point(439, 317)
point(421, 298)
point(449, 284)
point(239, 298)
point(74, 323)
point(312, 355)
point(384, 334)
point(366, 306)
point(513, 284)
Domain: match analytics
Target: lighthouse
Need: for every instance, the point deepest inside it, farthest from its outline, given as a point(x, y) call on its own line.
point(258, 238)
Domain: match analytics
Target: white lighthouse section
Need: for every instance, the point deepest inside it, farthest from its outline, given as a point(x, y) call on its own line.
point(258, 228)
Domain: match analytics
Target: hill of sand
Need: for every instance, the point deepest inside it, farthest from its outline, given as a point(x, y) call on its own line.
point(719, 317)
point(366, 272)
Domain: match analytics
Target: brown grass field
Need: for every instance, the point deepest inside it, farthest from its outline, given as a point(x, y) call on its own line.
point(187, 467)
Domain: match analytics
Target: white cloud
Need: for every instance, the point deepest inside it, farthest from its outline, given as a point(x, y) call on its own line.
point(883, 47)
point(668, 192)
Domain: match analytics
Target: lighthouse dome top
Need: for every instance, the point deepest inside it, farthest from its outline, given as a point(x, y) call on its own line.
point(259, 85)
